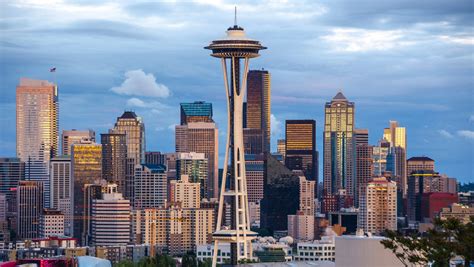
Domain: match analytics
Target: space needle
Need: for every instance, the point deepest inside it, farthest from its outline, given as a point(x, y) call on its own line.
point(235, 50)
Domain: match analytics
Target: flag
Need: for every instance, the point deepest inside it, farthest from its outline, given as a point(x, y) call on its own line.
point(52, 70)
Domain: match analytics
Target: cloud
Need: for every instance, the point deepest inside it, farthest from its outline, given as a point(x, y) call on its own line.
point(445, 133)
point(466, 134)
point(362, 40)
point(275, 126)
point(465, 40)
point(139, 83)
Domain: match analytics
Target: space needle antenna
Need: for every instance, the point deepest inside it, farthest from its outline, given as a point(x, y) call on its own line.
point(235, 15)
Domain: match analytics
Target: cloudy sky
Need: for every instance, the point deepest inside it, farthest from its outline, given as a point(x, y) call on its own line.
point(410, 61)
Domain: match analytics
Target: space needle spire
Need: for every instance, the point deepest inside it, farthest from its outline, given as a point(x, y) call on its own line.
point(235, 50)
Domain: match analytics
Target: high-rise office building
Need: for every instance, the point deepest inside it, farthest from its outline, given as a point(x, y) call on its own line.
point(71, 137)
point(51, 223)
point(111, 219)
point(201, 137)
point(254, 172)
point(195, 166)
point(281, 195)
point(133, 127)
point(12, 171)
point(187, 193)
point(300, 147)
point(420, 164)
point(91, 192)
point(379, 154)
point(364, 162)
point(253, 141)
point(397, 137)
point(378, 206)
point(258, 107)
point(62, 190)
point(29, 208)
point(339, 147)
point(281, 147)
point(301, 226)
point(150, 186)
point(37, 112)
point(155, 158)
point(198, 111)
point(307, 196)
point(86, 168)
point(114, 159)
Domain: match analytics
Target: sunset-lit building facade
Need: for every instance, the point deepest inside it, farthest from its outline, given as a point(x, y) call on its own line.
point(37, 113)
point(71, 137)
point(338, 146)
point(301, 145)
point(114, 159)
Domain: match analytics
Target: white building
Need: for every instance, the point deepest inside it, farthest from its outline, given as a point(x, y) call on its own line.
point(150, 188)
point(62, 190)
point(51, 223)
point(301, 226)
point(110, 219)
point(318, 250)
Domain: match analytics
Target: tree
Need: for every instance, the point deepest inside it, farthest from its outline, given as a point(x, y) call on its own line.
point(447, 239)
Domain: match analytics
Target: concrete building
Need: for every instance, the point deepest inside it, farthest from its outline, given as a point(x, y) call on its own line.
point(307, 196)
point(29, 207)
point(461, 212)
point(254, 172)
point(185, 192)
point(363, 251)
point(201, 137)
point(37, 113)
point(86, 168)
point(318, 250)
point(150, 186)
point(378, 206)
point(338, 148)
point(71, 137)
point(195, 166)
point(301, 226)
point(111, 219)
point(420, 164)
point(51, 223)
point(62, 190)
point(254, 214)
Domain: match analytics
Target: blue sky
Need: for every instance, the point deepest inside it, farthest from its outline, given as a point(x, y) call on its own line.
point(410, 61)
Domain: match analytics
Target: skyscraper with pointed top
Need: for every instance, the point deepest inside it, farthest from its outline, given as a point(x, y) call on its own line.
point(234, 49)
point(338, 150)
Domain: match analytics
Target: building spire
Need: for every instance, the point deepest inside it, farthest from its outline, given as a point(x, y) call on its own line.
point(235, 15)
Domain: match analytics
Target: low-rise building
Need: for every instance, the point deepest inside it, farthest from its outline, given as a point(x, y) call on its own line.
point(51, 223)
point(318, 250)
point(459, 211)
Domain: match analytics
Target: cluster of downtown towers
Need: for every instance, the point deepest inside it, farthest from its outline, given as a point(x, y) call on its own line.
point(44, 178)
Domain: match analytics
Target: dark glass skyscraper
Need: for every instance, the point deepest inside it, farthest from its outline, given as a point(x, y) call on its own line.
point(301, 147)
point(258, 106)
point(114, 158)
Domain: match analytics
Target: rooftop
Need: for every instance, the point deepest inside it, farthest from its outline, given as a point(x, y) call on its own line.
point(197, 108)
point(128, 115)
point(422, 158)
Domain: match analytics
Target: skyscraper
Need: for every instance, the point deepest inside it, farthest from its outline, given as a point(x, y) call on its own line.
point(12, 171)
point(379, 154)
point(396, 135)
point(364, 161)
point(378, 206)
point(254, 172)
point(185, 192)
point(201, 137)
point(339, 147)
point(307, 196)
point(195, 166)
point(300, 147)
point(234, 48)
point(37, 112)
point(198, 111)
point(91, 192)
point(155, 158)
point(150, 186)
point(114, 159)
point(281, 147)
point(133, 127)
point(111, 219)
point(71, 137)
point(258, 106)
point(420, 164)
point(30, 206)
point(62, 190)
point(86, 165)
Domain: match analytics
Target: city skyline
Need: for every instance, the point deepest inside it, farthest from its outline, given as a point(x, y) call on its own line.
point(333, 53)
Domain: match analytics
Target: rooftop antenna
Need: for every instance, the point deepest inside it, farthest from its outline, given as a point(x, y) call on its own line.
point(235, 15)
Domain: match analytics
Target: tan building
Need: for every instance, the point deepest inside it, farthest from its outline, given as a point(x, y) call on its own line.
point(37, 113)
point(195, 166)
point(461, 212)
point(420, 164)
point(201, 137)
point(51, 223)
point(174, 228)
point(281, 147)
point(71, 137)
point(307, 196)
point(86, 168)
point(378, 206)
point(301, 226)
point(185, 192)
point(397, 137)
